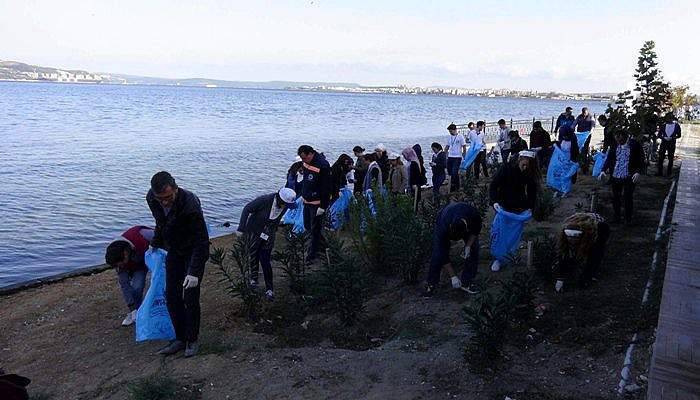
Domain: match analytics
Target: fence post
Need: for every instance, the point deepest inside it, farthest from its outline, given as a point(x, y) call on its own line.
point(552, 129)
point(511, 123)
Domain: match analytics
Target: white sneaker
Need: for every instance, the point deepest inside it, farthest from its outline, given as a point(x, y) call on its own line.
point(456, 283)
point(270, 295)
point(559, 286)
point(130, 318)
point(496, 266)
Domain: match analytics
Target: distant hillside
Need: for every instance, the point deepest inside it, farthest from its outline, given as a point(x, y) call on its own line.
point(17, 71)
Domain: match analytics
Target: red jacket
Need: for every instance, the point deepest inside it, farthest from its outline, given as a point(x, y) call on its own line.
point(139, 246)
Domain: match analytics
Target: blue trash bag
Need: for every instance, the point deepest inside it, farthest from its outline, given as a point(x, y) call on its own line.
point(152, 319)
point(599, 158)
point(339, 210)
point(369, 195)
point(469, 158)
point(581, 138)
point(506, 229)
point(295, 217)
point(561, 170)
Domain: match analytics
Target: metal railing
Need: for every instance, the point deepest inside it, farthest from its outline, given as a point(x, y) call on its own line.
point(524, 126)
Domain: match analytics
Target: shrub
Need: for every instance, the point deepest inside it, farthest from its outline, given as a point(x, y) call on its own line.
point(544, 256)
point(487, 318)
point(343, 282)
point(545, 205)
point(519, 292)
point(293, 259)
point(160, 386)
point(237, 277)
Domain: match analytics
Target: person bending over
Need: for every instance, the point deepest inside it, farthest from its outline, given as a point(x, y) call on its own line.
point(126, 255)
point(582, 241)
point(457, 221)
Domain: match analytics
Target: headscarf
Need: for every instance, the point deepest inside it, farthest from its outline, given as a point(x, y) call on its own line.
point(409, 154)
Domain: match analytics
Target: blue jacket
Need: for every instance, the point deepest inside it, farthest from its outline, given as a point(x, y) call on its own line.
point(453, 213)
point(316, 185)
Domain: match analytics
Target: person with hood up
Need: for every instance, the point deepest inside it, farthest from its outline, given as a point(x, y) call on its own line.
point(316, 194)
point(414, 172)
point(259, 221)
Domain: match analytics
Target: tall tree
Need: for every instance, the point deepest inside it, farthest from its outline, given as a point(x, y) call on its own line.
point(653, 96)
point(682, 99)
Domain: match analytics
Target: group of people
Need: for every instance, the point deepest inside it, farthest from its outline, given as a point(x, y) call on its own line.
point(180, 227)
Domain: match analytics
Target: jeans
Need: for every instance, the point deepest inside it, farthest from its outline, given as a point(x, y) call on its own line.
point(183, 304)
point(132, 284)
point(261, 258)
point(620, 186)
point(441, 256)
point(666, 148)
point(438, 180)
point(313, 224)
point(453, 164)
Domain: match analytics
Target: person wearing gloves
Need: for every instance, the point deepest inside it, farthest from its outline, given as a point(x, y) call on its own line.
point(438, 165)
point(259, 220)
point(624, 164)
point(515, 188)
point(398, 177)
point(413, 172)
point(504, 139)
point(293, 175)
point(455, 148)
point(541, 144)
point(517, 144)
point(315, 192)
point(669, 133)
point(479, 136)
point(125, 255)
point(582, 241)
point(457, 221)
point(182, 232)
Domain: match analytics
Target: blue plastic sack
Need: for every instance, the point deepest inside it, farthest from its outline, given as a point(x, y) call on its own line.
point(506, 229)
point(581, 138)
point(152, 319)
point(599, 159)
point(561, 170)
point(471, 155)
point(295, 217)
point(339, 210)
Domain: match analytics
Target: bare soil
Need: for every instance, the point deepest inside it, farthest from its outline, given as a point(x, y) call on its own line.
point(67, 336)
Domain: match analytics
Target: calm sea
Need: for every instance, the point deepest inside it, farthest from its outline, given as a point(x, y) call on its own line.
point(76, 160)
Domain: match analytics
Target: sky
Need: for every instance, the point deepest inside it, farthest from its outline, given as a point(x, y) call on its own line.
point(582, 46)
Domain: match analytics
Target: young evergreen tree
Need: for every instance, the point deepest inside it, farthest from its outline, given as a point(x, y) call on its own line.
point(653, 97)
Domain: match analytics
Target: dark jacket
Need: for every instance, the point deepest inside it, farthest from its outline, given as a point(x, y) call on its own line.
point(564, 120)
point(608, 138)
point(570, 136)
point(317, 181)
point(183, 232)
point(517, 145)
point(440, 167)
point(453, 213)
point(419, 153)
point(385, 166)
point(540, 138)
point(676, 132)
point(414, 176)
point(292, 182)
point(255, 219)
point(512, 189)
point(584, 124)
point(636, 161)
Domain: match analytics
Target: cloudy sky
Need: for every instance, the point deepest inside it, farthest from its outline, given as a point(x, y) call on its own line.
point(545, 45)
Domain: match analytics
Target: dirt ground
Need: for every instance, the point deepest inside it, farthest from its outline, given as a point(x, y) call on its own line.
point(67, 336)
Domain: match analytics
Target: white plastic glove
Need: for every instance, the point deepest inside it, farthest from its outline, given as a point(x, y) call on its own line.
point(190, 282)
point(601, 176)
point(497, 207)
point(466, 252)
point(320, 211)
point(635, 177)
point(559, 285)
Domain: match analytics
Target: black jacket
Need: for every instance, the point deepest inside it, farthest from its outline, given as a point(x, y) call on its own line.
point(440, 160)
point(255, 219)
point(513, 190)
point(419, 153)
point(676, 132)
point(540, 138)
point(519, 145)
point(574, 144)
point(317, 181)
point(183, 232)
point(636, 161)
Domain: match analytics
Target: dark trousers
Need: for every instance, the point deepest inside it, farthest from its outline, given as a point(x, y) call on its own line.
point(623, 188)
point(504, 156)
point(453, 164)
point(566, 266)
point(441, 256)
point(261, 258)
point(183, 304)
point(314, 225)
point(666, 148)
point(480, 163)
point(438, 180)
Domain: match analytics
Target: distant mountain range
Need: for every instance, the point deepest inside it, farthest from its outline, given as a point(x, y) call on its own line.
point(17, 71)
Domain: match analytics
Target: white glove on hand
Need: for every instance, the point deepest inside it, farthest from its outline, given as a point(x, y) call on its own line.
point(465, 253)
point(497, 207)
point(635, 177)
point(601, 176)
point(320, 212)
point(190, 282)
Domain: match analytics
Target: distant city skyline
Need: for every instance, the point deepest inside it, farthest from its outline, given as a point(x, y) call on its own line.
point(544, 46)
